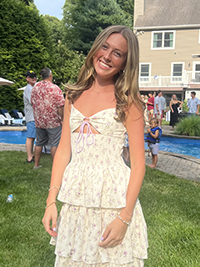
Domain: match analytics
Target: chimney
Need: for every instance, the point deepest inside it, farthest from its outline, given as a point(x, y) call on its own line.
point(139, 8)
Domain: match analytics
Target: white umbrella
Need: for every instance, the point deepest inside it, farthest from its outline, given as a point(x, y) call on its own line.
point(22, 88)
point(5, 82)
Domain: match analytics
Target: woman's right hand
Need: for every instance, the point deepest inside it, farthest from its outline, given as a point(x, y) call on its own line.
point(50, 215)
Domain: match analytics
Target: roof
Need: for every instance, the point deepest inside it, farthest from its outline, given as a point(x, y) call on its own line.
point(160, 13)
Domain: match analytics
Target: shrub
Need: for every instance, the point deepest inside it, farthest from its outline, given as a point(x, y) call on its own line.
point(185, 106)
point(189, 126)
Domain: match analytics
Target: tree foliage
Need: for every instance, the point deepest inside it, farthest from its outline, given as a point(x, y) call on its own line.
point(56, 27)
point(30, 41)
point(66, 63)
point(127, 6)
point(85, 19)
point(25, 44)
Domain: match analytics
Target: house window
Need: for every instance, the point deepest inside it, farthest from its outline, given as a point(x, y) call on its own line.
point(163, 40)
point(196, 69)
point(177, 72)
point(145, 69)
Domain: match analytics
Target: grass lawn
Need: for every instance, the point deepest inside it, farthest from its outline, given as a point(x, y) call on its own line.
point(164, 122)
point(171, 208)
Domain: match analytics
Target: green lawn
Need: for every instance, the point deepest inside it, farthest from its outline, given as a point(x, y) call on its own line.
point(171, 208)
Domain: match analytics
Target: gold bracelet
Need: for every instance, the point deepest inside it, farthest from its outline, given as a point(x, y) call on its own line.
point(127, 223)
point(53, 188)
point(50, 204)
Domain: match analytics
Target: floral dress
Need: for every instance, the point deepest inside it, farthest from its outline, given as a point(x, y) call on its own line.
point(93, 192)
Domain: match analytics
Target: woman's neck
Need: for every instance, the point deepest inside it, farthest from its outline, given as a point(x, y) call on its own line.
point(103, 86)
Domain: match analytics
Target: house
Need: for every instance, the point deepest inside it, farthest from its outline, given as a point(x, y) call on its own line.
point(169, 36)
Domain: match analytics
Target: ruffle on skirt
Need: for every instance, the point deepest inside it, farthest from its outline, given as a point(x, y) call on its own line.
point(79, 233)
point(90, 187)
point(67, 262)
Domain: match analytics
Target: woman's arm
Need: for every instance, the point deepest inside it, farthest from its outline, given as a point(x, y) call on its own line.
point(170, 105)
point(60, 162)
point(181, 103)
point(116, 230)
point(135, 129)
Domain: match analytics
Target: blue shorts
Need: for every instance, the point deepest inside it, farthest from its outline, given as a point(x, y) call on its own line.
point(31, 130)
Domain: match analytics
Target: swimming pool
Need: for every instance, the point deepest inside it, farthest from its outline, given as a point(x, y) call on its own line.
point(188, 147)
point(13, 137)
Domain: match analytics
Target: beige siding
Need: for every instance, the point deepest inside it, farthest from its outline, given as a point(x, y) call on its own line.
point(138, 9)
point(186, 44)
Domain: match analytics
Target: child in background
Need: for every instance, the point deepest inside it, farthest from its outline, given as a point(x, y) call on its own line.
point(153, 139)
point(125, 153)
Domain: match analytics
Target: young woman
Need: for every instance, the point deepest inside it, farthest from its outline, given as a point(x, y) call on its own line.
point(174, 105)
point(101, 222)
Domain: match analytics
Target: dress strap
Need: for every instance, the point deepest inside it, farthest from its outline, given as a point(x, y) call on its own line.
point(81, 137)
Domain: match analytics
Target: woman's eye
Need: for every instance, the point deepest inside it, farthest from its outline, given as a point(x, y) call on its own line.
point(104, 46)
point(117, 54)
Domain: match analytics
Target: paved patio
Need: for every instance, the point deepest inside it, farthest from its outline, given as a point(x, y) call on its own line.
point(180, 165)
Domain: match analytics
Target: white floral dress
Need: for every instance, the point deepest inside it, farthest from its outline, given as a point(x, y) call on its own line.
point(93, 193)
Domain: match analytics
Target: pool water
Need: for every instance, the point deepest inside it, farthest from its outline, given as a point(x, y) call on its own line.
point(13, 137)
point(188, 147)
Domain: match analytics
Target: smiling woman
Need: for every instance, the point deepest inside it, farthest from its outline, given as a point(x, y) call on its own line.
point(111, 58)
point(101, 222)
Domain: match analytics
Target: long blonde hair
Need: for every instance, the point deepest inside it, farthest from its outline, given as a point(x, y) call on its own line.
point(126, 82)
point(172, 99)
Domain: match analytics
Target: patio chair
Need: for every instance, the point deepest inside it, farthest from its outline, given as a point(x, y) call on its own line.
point(7, 115)
point(18, 117)
point(3, 120)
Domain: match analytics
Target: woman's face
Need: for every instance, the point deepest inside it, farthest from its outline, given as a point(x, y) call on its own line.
point(111, 57)
point(174, 97)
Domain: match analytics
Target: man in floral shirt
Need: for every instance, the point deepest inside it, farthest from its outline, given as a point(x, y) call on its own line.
point(47, 101)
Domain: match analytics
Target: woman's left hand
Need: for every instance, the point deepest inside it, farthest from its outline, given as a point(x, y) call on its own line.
point(114, 234)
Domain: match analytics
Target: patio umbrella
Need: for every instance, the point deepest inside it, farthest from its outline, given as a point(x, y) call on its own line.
point(5, 82)
point(22, 88)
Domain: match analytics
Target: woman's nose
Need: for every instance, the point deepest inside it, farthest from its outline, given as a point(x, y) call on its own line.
point(107, 55)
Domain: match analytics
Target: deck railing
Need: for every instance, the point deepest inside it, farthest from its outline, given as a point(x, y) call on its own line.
point(188, 77)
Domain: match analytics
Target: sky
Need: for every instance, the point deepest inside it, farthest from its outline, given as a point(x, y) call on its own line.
point(50, 7)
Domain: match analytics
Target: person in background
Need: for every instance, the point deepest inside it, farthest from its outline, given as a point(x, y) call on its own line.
point(163, 107)
point(159, 107)
point(153, 139)
point(47, 101)
point(145, 109)
point(174, 105)
point(150, 105)
point(28, 109)
point(125, 153)
point(193, 104)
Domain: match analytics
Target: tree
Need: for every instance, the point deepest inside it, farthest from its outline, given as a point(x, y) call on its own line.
point(56, 27)
point(25, 44)
point(128, 7)
point(85, 19)
point(65, 62)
